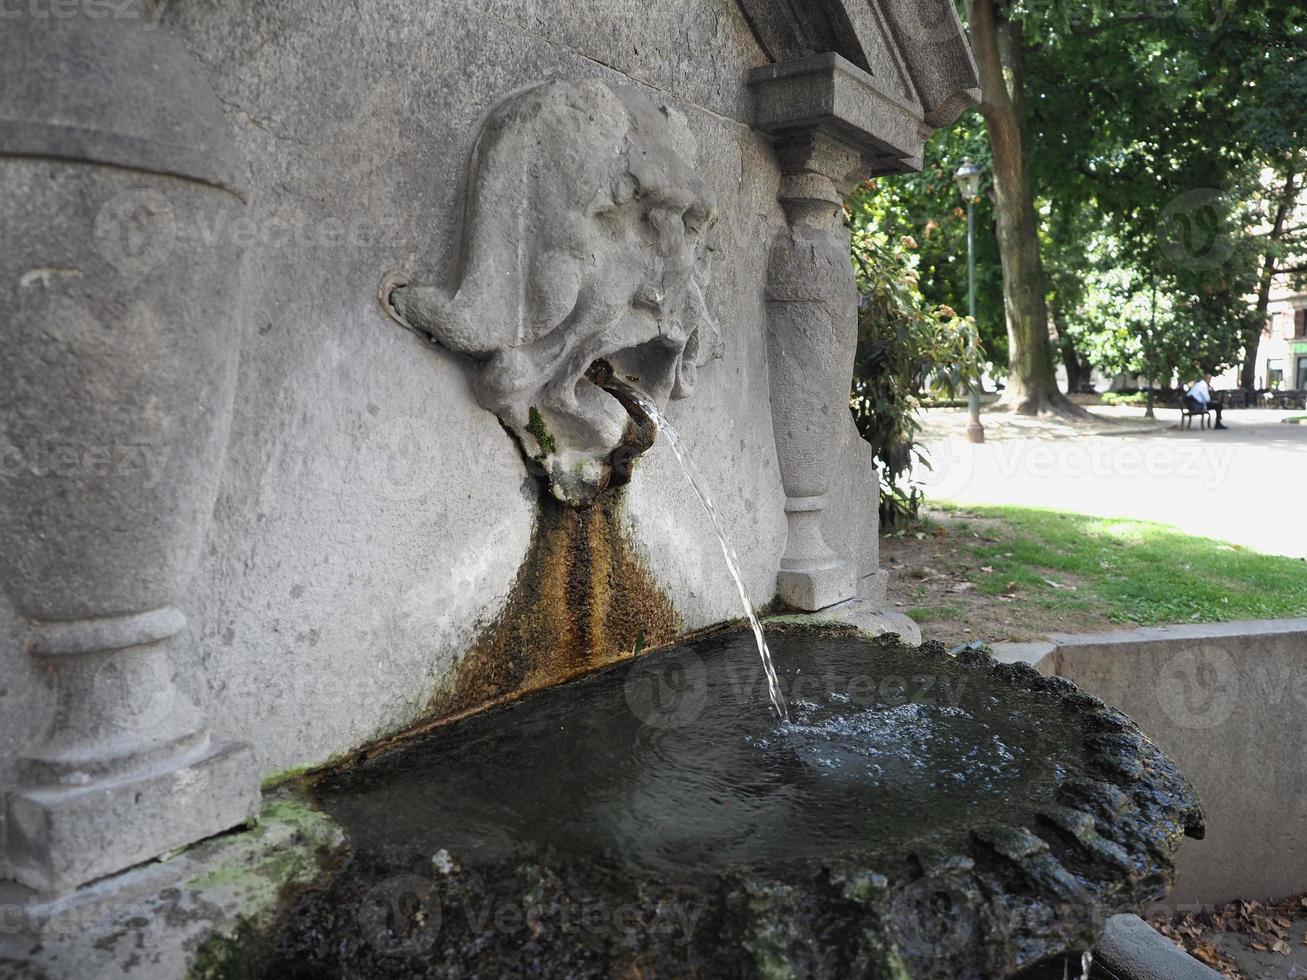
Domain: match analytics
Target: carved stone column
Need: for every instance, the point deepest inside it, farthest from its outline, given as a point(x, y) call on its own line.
point(812, 330)
point(833, 125)
point(118, 368)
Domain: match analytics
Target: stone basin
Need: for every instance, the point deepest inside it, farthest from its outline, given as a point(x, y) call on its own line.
point(920, 815)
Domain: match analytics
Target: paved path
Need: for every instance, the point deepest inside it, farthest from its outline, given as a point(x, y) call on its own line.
point(1246, 485)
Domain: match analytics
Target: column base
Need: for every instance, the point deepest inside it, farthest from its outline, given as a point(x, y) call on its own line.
point(811, 589)
point(60, 837)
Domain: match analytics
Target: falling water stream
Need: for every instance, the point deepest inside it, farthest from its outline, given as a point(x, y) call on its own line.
point(692, 474)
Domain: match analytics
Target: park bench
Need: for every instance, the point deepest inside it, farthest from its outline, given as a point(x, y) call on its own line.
point(1188, 413)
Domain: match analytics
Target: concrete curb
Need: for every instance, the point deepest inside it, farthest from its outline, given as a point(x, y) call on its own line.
point(1134, 950)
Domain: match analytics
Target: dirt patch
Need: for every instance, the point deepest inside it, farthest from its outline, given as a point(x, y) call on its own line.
point(932, 579)
point(1244, 940)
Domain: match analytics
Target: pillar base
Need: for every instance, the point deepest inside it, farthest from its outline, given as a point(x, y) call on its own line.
point(815, 588)
point(60, 837)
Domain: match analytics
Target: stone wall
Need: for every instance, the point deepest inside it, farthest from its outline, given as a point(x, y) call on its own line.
point(340, 279)
point(372, 517)
point(1226, 702)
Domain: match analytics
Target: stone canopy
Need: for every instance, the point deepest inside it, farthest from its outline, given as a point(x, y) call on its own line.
point(906, 55)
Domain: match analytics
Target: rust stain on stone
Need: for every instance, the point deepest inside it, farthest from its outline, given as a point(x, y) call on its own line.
point(581, 601)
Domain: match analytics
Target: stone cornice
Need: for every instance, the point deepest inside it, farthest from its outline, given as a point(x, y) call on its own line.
point(826, 94)
point(878, 75)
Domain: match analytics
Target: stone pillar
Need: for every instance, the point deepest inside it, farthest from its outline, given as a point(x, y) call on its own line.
point(833, 125)
point(119, 362)
point(812, 331)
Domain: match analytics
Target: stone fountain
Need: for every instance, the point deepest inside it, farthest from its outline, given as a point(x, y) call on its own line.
point(923, 815)
point(302, 459)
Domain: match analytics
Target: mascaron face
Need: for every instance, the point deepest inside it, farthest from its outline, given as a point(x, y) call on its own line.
point(586, 238)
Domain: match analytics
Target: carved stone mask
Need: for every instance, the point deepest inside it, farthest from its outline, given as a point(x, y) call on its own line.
point(584, 238)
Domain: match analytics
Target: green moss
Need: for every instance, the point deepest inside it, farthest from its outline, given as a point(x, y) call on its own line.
point(295, 814)
point(238, 955)
point(283, 849)
point(276, 779)
point(536, 426)
point(268, 864)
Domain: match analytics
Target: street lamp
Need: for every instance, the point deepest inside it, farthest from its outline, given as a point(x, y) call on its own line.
point(968, 181)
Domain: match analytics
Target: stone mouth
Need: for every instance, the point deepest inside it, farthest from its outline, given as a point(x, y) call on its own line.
point(640, 432)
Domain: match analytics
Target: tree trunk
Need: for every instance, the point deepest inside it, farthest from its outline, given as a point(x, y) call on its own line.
point(1031, 385)
point(1077, 373)
point(1253, 335)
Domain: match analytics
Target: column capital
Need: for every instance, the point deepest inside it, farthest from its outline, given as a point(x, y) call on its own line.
point(838, 114)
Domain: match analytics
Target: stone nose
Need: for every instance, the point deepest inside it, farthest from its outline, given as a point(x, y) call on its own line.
point(673, 262)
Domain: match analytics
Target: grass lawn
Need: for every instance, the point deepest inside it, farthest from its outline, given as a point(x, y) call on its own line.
point(998, 573)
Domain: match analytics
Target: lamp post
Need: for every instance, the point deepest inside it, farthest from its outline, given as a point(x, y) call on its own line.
point(968, 181)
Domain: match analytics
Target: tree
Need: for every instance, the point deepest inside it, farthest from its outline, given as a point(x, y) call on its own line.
point(1285, 203)
point(927, 208)
point(996, 40)
point(1151, 132)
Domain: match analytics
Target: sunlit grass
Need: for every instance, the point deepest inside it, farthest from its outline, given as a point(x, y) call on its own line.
point(928, 614)
point(1129, 571)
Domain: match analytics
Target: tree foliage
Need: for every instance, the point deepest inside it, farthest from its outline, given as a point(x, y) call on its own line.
point(1163, 139)
point(908, 347)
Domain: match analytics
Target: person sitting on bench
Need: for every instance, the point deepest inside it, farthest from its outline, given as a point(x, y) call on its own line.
point(1199, 399)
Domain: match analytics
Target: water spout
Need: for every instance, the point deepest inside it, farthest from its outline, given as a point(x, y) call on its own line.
point(644, 413)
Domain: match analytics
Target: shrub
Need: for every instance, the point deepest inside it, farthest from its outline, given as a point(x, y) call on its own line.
point(1123, 398)
point(906, 351)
